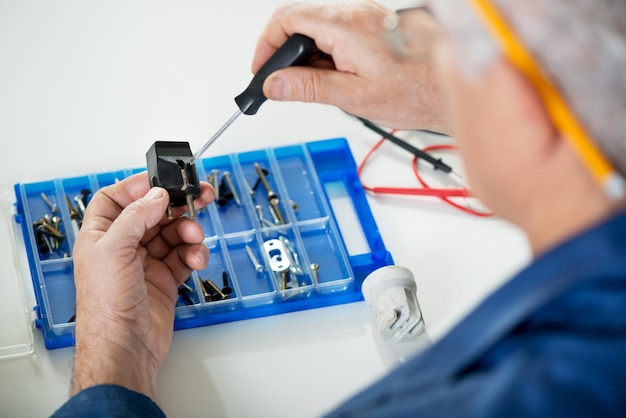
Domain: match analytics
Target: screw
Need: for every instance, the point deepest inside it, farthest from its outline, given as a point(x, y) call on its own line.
point(85, 196)
point(205, 294)
point(215, 288)
point(255, 261)
point(314, 268)
point(48, 228)
point(185, 295)
point(263, 179)
point(53, 207)
point(258, 180)
point(227, 290)
point(73, 213)
point(208, 290)
point(249, 189)
point(259, 212)
point(231, 187)
point(56, 220)
point(45, 239)
point(275, 212)
point(80, 205)
point(284, 279)
point(188, 288)
point(213, 178)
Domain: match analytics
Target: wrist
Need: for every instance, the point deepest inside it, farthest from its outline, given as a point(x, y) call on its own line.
point(108, 354)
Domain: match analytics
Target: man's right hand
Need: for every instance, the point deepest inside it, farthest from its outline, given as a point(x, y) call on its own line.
point(360, 73)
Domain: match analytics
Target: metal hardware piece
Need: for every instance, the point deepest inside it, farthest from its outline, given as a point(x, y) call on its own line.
point(217, 290)
point(249, 189)
point(187, 287)
point(80, 205)
point(226, 289)
point(264, 222)
point(258, 267)
point(182, 291)
point(48, 228)
point(85, 193)
point(264, 182)
point(274, 213)
point(206, 295)
point(314, 271)
point(279, 259)
point(294, 259)
point(284, 278)
point(53, 207)
point(231, 187)
point(214, 180)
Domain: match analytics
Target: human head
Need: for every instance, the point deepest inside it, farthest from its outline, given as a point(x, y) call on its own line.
point(575, 42)
point(581, 44)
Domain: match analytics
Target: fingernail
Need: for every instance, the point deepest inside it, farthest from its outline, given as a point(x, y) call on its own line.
point(154, 193)
point(279, 89)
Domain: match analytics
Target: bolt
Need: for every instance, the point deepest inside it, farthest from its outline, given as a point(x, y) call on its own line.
point(53, 207)
point(314, 268)
point(230, 186)
point(255, 261)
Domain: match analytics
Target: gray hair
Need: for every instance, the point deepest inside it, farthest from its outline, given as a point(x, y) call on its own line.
point(581, 44)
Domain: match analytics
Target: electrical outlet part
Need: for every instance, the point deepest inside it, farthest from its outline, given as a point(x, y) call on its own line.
point(391, 294)
point(171, 166)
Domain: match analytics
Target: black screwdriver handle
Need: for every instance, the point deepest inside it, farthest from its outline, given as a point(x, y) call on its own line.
point(297, 50)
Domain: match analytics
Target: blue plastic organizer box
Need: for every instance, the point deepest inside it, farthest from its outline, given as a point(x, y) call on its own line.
point(303, 263)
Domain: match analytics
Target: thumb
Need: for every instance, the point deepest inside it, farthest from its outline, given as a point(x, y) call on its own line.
point(131, 225)
point(307, 84)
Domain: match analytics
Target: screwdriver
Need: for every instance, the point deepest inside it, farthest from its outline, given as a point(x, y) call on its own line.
point(297, 50)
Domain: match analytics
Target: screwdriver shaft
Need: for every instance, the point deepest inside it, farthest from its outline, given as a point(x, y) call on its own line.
point(217, 134)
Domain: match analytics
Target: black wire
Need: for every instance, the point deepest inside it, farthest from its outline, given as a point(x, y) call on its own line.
point(436, 162)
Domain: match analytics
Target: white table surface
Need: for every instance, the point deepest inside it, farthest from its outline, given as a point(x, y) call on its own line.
point(88, 87)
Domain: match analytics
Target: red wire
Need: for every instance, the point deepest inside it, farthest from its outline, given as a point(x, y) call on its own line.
point(425, 190)
point(446, 198)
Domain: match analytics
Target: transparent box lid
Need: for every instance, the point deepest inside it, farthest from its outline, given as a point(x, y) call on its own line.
point(16, 314)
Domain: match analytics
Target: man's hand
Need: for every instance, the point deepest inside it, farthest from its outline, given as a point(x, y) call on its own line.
point(360, 73)
point(129, 261)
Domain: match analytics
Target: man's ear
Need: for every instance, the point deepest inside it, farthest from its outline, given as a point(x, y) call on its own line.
point(524, 109)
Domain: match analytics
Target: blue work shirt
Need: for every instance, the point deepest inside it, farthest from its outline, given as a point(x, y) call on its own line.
point(549, 343)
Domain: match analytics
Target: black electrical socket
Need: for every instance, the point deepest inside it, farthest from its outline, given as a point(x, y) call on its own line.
point(171, 166)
